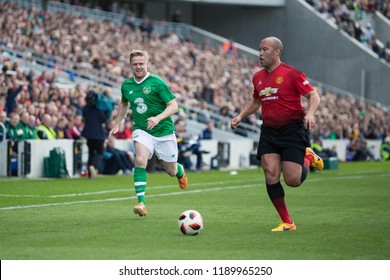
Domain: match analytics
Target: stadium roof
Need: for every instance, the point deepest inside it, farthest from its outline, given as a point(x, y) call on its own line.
point(270, 3)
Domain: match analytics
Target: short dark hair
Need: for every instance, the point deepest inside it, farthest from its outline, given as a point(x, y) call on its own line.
point(91, 98)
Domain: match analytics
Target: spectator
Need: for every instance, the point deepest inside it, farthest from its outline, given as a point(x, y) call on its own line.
point(229, 47)
point(15, 134)
point(204, 114)
point(45, 131)
point(207, 133)
point(75, 128)
point(15, 129)
point(13, 91)
point(208, 93)
point(128, 129)
point(125, 130)
point(176, 17)
point(32, 124)
point(189, 146)
point(94, 131)
point(131, 22)
point(195, 146)
point(385, 149)
point(3, 121)
point(116, 160)
point(61, 128)
point(29, 133)
point(357, 150)
point(182, 139)
point(146, 28)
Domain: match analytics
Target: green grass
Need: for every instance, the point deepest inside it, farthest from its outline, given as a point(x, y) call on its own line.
point(340, 214)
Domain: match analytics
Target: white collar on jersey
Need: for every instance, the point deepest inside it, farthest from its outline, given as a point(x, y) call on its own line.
point(146, 76)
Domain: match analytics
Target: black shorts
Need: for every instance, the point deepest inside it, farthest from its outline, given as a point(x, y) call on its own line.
point(289, 141)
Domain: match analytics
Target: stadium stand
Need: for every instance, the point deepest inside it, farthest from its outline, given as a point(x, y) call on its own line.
point(52, 71)
point(355, 18)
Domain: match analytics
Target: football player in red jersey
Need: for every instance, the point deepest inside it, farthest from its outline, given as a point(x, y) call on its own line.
point(283, 146)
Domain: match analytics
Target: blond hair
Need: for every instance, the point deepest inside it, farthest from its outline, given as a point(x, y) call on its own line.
point(135, 53)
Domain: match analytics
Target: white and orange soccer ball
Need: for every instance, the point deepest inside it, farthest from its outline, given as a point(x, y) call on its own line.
point(190, 222)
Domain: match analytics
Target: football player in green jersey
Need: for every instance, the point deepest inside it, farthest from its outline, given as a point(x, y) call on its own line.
point(152, 105)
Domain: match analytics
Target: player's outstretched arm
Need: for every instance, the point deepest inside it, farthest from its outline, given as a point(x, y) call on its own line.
point(121, 114)
point(249, 109)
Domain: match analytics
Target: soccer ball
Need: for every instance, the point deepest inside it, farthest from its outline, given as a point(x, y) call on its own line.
point(190, 222)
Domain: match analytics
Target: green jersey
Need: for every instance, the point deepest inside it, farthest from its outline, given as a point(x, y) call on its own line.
point(29, 133)
point(16, 133)
point(147, 99)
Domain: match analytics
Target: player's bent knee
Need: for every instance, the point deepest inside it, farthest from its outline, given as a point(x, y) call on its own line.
point(141, 162)
point(293, 183)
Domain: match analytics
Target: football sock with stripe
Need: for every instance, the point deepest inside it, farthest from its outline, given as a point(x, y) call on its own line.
point(180, 171)
point(307, 160)
point(140, 183)
point(276, 194)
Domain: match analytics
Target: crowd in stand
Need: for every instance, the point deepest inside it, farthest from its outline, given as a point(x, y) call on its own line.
point(339, 12)
point(336, 8)
point(193, 72)
point(34, 106)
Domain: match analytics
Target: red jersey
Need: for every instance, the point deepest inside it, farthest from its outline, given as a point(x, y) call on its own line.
point(280, 94)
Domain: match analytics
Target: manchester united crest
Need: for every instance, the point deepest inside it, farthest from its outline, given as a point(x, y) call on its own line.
point(279, 80)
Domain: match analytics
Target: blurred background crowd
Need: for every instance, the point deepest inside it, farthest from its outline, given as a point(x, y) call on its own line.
point(36, 105)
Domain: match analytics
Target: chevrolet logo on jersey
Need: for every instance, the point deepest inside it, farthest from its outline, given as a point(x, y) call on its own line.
point(268, 91)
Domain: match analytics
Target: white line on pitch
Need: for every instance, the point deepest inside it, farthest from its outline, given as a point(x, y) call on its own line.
point(126, 198)
point(259, 180)
point(129, 189)
point(156, 187)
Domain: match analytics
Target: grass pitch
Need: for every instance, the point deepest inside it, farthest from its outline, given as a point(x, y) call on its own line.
point(340, 214)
